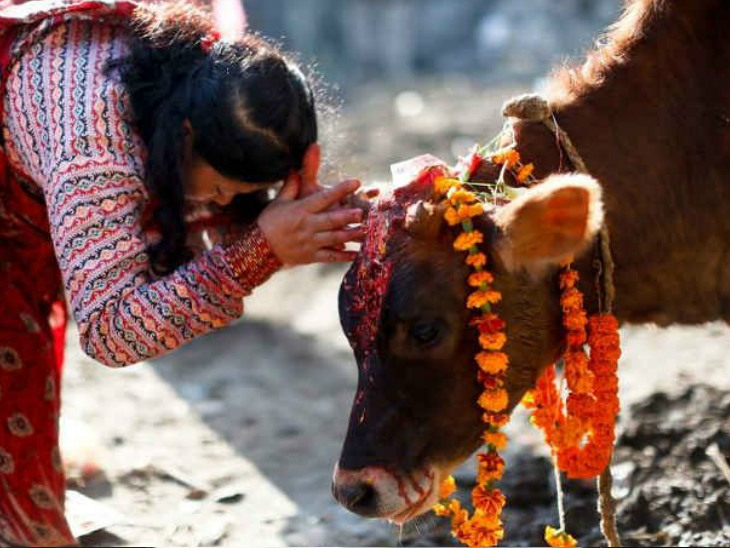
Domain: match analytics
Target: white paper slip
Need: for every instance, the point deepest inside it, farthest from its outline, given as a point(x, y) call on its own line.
point(85, 515)
point(405, 172)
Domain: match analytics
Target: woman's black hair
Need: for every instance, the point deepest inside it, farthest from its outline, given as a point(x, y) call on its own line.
point(252, 112)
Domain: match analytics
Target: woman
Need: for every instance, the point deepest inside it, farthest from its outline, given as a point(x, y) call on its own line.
point(125, 129)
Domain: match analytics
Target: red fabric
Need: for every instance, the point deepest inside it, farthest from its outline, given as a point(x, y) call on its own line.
point(57, 320)
point(32, 331)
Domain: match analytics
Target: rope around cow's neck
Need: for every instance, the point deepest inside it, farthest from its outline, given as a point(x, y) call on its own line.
point(535, 108)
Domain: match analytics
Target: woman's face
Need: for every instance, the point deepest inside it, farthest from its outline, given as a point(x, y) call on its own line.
point(204, 185)
point(207, 186)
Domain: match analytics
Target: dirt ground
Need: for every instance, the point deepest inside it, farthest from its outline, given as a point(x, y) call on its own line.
point(231, 440)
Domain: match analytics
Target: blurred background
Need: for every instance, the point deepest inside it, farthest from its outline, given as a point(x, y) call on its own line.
point(231, 440)
point(415, 75)
point(356, 41)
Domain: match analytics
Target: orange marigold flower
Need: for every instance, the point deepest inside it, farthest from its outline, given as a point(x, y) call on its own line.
point(571, 432)
point(458, 518)
point(447, 487)
point(604, 433)
point(494, 400)
point(605, 384)
point(461, 196)
point(524, 173)
point(479, 298)
point(454, 506)
point(604, 328)
point(466, 240)
point(571, 299)
point(443, 184)
point(604, 361)
point(605, 348)
point(575, 319)
point(452, 216)
point(587, 462)
point(498, 440)
point(558, 537)
point(477, 260)
point(510, 157)
point(474, 534)
point(440, 509)
point(576, 359)
point(486, 519)
point(604, 343)
point(493, 363)
point(568, 279)
point(576, 338)
point(581, 405)
point(494, 297)
point(497, 420)
point(580, 381)
point(498, 157)
point(483, 536)
point(492, 341)
point(478, 278)
point(456, 215)
point(569, 458)
point(609, 407)
point(491, 467)
point(605, 323)
point(473, 210)
point(489, 501)
point(482, 530)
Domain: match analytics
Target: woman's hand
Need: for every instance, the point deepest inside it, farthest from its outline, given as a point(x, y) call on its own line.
point(314, 228)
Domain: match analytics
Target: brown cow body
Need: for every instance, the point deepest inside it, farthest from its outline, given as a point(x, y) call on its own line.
point(650, 114)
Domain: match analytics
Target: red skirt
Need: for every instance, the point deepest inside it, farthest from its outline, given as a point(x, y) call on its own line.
point(32, 484)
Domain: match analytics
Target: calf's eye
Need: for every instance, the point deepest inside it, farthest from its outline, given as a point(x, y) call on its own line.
point(425, 333)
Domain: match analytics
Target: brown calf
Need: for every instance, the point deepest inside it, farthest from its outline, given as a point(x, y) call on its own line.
point(650, 115)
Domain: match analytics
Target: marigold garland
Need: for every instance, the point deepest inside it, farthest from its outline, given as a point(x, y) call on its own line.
point(484, 526)
point(579, 431)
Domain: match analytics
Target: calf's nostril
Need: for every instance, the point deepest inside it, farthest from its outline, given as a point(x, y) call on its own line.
point(360, 498)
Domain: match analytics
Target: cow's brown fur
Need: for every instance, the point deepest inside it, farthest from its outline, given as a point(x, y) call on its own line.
point(649, 112)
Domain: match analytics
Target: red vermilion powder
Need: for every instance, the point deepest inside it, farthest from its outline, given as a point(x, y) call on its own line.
point(373, 268)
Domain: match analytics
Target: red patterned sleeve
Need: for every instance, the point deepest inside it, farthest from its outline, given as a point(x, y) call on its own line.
point(66, 131)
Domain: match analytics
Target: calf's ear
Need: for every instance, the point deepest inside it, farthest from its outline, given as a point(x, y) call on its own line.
point(549, 223)
point(424, 220)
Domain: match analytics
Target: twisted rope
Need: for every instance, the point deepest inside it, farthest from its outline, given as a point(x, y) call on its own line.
point(535, 108)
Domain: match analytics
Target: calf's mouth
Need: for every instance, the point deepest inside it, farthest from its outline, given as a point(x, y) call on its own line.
point(376, 492)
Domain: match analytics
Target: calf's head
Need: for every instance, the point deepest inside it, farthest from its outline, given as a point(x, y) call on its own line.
point(402, 306)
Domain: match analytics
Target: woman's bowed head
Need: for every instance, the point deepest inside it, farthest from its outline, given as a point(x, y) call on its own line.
point(223, 122)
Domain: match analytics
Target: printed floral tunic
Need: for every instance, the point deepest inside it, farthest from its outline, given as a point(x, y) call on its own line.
point(68, 136)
